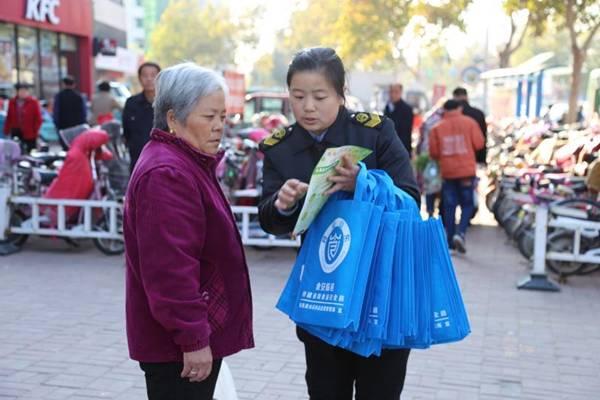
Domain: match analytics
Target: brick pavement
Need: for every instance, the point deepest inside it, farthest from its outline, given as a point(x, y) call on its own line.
point(62, 332)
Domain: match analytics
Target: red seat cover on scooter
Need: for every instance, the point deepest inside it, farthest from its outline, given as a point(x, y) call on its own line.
point(75, 180)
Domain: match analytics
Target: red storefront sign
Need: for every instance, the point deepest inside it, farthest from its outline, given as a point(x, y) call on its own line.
point(72, 17)
point(237, 92)
point(67, 16)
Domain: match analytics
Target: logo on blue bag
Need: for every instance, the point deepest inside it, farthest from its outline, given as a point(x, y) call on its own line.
point(335, 245)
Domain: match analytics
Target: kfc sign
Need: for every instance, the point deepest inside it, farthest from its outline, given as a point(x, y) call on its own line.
point(42, 11)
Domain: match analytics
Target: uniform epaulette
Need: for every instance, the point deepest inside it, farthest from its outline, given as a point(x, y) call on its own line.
point(275, 138)
point(370, 120)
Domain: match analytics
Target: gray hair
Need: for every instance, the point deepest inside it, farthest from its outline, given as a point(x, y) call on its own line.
point(180, 87)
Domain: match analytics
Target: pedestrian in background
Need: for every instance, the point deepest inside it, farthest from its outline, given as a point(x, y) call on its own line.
point(316, 81)
point(188, 290)
point(460, 94)
point(401, 113)
point(24, 118)
point(138, 115)
point(453, 142)
point(69, 108)
point(103, 105)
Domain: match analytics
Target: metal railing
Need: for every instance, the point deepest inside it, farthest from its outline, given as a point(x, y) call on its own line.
point(538, 279)
point(250, 231)
point(85, 228)
point(253, 235)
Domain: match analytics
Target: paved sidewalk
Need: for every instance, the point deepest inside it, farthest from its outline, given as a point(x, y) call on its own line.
point(62, 331)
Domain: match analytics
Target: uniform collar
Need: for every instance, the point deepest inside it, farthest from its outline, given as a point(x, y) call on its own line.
point(300, 139)
point(203, 159)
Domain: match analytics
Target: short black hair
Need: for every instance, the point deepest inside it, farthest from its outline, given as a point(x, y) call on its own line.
point(450, 105)
point(104, 86)
point(148, 64)
point(459, 91)
point(322, 59)
point(68, 80)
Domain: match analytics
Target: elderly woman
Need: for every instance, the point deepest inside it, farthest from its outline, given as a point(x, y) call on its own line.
point(188, 291)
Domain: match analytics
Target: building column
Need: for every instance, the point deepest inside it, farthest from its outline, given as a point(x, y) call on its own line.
point(519, 96)
point(539, 96)
point(85, 64)
point(529, 90)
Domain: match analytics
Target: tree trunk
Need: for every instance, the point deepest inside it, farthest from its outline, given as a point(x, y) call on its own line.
point(578, 60)
point(504, 56)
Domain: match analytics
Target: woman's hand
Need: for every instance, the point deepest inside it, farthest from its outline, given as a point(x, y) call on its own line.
point(346, 177)
point(197, 365)
point(290, 193)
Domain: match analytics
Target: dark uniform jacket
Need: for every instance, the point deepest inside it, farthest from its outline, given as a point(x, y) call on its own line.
point(479, 117)
point(402, 116)
point(69, 109)
point(138, 120)
point(294, 153)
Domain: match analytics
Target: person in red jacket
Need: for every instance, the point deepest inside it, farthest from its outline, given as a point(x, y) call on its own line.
point(453, 142)
point(24, 118)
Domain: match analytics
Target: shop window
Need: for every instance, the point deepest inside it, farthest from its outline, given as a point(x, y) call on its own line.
point(8, 65)
point(28, 57)
point(49, 61)
point(69, 59)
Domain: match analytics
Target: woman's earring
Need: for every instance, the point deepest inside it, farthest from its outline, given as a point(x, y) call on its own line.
point(171, 131)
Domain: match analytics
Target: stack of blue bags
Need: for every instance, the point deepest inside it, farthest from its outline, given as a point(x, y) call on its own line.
point(372, 275)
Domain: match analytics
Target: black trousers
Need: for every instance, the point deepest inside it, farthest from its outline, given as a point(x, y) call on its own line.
point(332, 373)
point(164, 382)
point(26, 145)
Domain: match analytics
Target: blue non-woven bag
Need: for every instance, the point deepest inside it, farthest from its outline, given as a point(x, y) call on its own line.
point(378, 296)
point(339, 248)
point(420, 334)
point(421, 293)
point(449, 318)
point(375, 304)
point(369, 338)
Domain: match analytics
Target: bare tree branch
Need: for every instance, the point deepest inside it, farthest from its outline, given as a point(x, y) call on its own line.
point(570, 19)
point(513, 30)
point(520, 42)
point(588, 40)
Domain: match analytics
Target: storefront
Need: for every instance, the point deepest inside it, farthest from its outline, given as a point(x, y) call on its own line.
point(42, 41)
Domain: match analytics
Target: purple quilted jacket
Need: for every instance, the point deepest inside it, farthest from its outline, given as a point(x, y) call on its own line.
point(187, 279)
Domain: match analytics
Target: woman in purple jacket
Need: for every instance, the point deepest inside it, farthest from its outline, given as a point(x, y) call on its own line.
point(188, 291)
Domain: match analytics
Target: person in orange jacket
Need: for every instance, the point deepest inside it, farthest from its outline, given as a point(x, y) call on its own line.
point(453, 142)
point(24, 118)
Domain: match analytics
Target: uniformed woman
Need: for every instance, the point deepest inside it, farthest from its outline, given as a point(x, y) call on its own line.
point(316, 80)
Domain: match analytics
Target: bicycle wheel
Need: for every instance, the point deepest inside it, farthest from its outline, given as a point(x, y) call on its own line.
point(110, 247)
point(491, 197)
point(586, 245)
point(526, 243)
point(588, 269)
point(562, 242)
point(514, 222)
point(16, 219)
point(511, 210)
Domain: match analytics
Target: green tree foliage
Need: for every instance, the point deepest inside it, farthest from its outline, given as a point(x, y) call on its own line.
point(312, 25)
point(189, 32)
point(366, 33)
point(370, 31)
point(581, 19)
